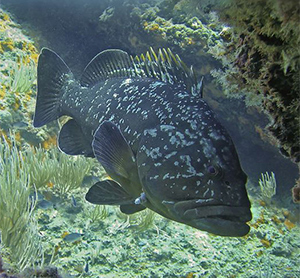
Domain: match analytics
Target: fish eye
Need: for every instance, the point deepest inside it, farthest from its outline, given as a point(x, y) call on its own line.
point(227, 182)
point(215, 171)
point(212, 170)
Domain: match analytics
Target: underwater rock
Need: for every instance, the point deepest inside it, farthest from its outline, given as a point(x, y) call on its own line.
point(18, 82)
point(281, 249)
point(47, 272)
point(262, 64)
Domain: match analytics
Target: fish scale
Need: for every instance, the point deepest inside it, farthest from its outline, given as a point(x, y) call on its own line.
point(144, 119)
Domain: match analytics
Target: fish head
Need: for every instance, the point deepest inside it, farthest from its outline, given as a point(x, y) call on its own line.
point(195, 178)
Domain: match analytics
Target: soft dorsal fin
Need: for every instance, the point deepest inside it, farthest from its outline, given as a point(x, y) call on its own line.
point(164, 66)
point(107, 64)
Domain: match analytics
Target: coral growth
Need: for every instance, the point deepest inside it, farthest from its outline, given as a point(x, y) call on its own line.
point(47, 272)
point(18, 82)
point(296, 192)
point(54, 169)
point(267, 185)
point(262, 61)
point(184, 27)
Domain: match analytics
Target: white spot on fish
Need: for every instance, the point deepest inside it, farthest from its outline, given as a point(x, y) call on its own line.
point(182, 95)
point(170, 154)
point(126, 82)
point(193, 124)
point(191, 170)
point(155, 177)
point(152, 132)
point(111, 117)
point(154, 153)
point(166, 176)
point(166, 127)
point(206, 191)
point(190, 134)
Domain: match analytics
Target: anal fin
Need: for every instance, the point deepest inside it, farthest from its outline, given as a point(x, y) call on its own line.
point(130, 209)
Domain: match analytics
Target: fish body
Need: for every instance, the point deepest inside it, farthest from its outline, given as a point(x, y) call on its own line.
point(44, 204)
point(72, 237)
point(20, 125)
point(73, 201)
point(147, 124)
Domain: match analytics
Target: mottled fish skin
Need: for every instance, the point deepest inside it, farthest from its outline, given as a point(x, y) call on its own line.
point(135, 105)
point(185, 163)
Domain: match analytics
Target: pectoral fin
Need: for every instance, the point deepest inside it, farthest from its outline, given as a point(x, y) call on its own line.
point(108, 192)
point(112, 150)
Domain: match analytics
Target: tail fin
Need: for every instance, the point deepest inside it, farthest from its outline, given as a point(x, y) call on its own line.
point(52, 73)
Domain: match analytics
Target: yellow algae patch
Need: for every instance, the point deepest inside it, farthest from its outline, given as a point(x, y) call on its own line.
point(2, 92)
point(289, 225)
point(50, 184)
point(265, 242)
point(51, 141)
point(6, 45)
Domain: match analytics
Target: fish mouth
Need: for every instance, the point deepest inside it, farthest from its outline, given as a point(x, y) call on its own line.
point(219, 219)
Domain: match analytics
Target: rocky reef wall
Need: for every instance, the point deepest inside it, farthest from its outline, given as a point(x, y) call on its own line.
point(262, 59)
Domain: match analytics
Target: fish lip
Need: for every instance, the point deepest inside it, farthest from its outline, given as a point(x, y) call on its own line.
point(209, 208)
point(224, 212)
point(220, 226)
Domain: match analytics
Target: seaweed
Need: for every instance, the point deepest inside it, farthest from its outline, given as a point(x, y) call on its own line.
point(267, 185)
point(95, 213)
point(18, 225)
point(52, 168)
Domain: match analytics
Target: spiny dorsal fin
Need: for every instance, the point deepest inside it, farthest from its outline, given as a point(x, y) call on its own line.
point(164, 66)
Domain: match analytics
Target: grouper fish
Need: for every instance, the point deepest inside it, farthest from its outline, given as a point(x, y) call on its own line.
point(145, 121)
